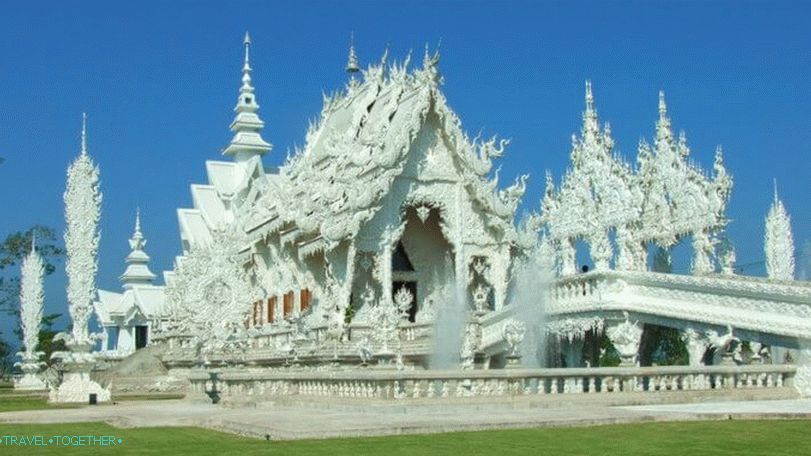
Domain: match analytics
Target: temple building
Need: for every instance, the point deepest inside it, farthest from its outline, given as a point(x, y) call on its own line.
point(389, 236)
point(127, 318)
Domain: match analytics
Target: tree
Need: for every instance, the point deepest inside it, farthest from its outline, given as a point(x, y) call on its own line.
point(46, 338)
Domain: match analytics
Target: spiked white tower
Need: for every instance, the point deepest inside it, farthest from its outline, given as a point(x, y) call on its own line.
point(31, 299)
point(82, 212)
point(247, 126)
point(779, 242)
point(137, 272)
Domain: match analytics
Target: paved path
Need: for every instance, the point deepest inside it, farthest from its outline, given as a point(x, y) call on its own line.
point(342, 420)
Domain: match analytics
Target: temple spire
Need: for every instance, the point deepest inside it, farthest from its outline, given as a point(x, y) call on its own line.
point(662, 105)
point(137, 272)
point(352, 60)
point(664, 134)
point(590, 124)
point(247, 126)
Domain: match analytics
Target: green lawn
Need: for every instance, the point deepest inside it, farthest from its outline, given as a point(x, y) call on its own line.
point(697, 438)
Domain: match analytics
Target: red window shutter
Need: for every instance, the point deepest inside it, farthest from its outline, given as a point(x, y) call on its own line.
point(305, 299)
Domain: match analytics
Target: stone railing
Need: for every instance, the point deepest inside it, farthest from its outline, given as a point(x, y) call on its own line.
point(243, 386)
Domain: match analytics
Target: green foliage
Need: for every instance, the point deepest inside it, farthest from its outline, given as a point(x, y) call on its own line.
point(46, 338)
point(609, 356)
point(5, 358)
point(662, 346)
point(349, 313)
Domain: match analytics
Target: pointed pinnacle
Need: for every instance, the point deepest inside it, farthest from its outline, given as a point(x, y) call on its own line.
point(33, 241)
point(662, 105)
point(775, 190)
point(247, 43)
point(137, 220)
point(84, 133)
point(352, 61)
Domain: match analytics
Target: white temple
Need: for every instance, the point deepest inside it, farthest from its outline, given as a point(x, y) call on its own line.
point(127, 318)
point(390, 229)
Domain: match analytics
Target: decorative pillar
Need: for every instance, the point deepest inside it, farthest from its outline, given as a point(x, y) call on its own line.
point(600, 250)
point(632, 254)
point(697, 344)
point(702, 253)
point(498, 275)
point(567, 254)
point(82, 212)
point(31, 299)
point(625, 337)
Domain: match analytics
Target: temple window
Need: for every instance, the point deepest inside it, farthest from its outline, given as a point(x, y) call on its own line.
point(287, 302)
point(271, 309)
point(305, 296)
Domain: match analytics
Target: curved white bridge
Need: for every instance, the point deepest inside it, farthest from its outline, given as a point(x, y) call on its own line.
point(761, 310)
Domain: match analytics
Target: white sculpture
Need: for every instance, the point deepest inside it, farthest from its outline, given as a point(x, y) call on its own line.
point(210, 296)
point(386, 317)
point(697, 345)
point(31, 300)
point(480, 295)
point(779, 242)
point(82, 212)
point(666, 199)
point(625, 337)
point(364, 348)
point(514, 332)
point(403, 300)
point(727, 345)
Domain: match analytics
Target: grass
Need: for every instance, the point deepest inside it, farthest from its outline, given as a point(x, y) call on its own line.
point(701, 438)
point(11, 403)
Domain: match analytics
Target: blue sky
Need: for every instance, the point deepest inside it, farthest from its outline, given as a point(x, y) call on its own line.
point(159, 81)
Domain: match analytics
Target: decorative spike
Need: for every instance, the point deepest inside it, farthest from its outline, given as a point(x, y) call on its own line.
point(137, 222)
point(662, 105)
point(247, 42)
point(775, 190)
point(352, 61)
point(590, 124)
point(84, 133)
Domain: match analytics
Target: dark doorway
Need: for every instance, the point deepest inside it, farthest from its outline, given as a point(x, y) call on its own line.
point(140, 337)
point(412, 287)
point(400, 260)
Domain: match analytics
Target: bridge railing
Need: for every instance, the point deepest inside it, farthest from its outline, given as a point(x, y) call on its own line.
point(241, 385)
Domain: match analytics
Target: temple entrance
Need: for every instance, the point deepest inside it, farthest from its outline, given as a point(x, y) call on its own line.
point(411, 286)
point(140, 337)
